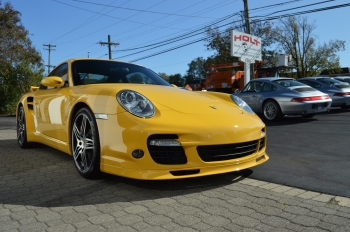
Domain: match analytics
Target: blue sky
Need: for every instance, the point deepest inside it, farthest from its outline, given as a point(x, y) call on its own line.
point(76, 27)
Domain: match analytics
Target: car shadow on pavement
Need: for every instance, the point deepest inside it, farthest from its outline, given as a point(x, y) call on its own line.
point(297, 119)
point(42, 176)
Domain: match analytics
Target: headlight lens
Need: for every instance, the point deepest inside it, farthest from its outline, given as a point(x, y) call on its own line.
point(241, 103)
point(135, 103)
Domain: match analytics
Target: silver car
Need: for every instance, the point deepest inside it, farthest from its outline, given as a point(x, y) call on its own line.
point(343, 79)
point(339, 91)
point(278, 96)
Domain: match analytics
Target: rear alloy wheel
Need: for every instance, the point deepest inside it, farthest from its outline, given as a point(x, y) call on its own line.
point(272, 111)
point(308, 115)
point(85, 144)
point(21, 128)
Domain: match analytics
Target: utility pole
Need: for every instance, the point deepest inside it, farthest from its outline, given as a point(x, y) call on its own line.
point(50, 47)
point(246, 16)
point(247, 25)
point(109, 43)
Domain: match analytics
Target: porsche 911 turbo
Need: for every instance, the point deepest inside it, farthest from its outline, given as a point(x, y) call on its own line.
point(124, 119)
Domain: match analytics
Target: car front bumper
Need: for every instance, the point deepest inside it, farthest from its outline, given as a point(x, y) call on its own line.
point(120, 136)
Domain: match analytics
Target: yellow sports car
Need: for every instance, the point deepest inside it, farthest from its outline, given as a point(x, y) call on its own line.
point(124, 119)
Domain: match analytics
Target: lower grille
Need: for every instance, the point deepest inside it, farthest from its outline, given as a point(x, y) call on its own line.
point(210, 153)
point(166, 154)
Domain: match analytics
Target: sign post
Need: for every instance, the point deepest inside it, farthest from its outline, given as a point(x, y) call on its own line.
point(247, 48)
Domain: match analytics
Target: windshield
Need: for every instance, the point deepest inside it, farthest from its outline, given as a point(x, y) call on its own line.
point(344, 80)
point(329, 81)
point(103, 71)
point(288, 82)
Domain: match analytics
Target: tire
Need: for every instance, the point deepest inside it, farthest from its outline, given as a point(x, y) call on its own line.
point(272, 111)
point(308, 115)
point(22, 128)
point(85, 144)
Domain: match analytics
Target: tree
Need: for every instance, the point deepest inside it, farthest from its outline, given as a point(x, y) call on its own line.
point(197, 68)
point(164, 76)
point(176, 79)
point(294, 36)
point(20, 63)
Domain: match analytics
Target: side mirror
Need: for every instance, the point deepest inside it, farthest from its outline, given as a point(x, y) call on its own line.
point(237, 91)
point(33, 88)
point(53, 81)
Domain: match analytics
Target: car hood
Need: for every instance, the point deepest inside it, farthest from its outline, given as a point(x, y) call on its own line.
point(172, 98)
point(186, 101)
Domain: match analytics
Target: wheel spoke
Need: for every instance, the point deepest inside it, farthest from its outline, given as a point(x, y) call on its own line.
point(83, 126)
point(84, 160)
point(77, 152)
point(89, 144)
point(77, 133)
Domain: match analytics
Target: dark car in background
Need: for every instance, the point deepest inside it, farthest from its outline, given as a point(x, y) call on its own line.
point(278, 96)
point(338, 90)
point(343, 78)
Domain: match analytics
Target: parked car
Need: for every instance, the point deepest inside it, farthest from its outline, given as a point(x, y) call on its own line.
point(275, 97)
point(124, 119)
point(343, 79)
point(338, 90)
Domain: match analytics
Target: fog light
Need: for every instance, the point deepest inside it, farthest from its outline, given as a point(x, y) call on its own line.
point(137, 154)
point(164, 142)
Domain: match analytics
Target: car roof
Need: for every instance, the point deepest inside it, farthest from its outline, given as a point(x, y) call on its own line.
point(342, 77)
point(272, 78)
point(313, 78)
point(119, 61)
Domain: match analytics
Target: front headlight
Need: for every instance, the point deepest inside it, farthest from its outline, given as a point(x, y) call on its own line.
point(241, 103)
point(135, 103)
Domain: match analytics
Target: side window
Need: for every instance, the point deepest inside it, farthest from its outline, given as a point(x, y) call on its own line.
point(61, 71)
point(253, 87)
point(267, 87)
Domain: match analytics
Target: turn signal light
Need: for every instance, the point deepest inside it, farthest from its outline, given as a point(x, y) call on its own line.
point(164, 142)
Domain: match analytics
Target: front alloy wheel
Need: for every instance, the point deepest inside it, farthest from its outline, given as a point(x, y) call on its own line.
point(85, 144)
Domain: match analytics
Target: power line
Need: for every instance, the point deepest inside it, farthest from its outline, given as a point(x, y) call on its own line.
point(148, 24)
point(143, 11)
point(181, 37)
point(187, 34)
point(91, 19)
point(267, 19)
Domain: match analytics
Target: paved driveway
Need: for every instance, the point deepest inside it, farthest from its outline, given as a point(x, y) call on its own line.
point(41, 191)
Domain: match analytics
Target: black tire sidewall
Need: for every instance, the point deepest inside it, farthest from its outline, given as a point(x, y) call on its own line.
point(24, 143)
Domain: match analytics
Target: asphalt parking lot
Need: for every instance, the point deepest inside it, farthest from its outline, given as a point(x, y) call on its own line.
point(312, 154)
point(42, 191)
